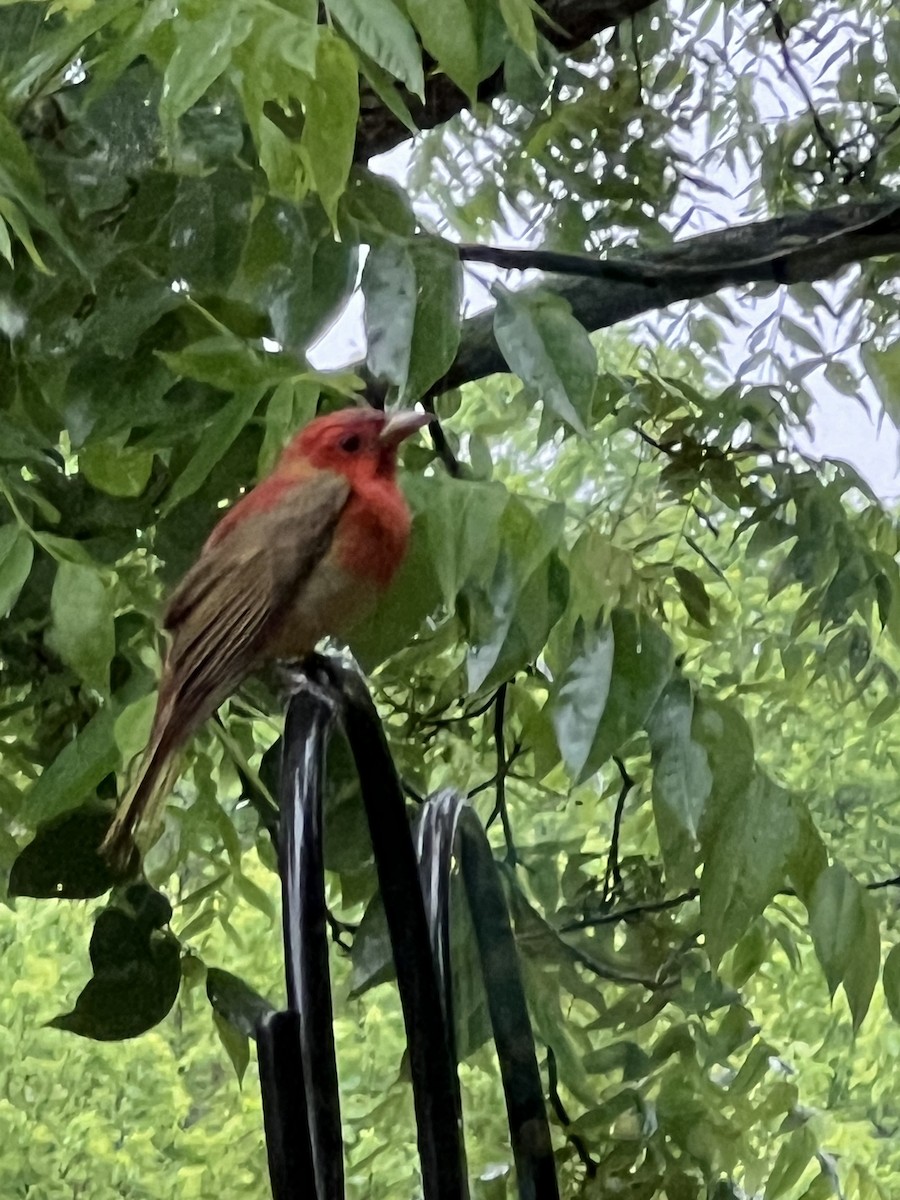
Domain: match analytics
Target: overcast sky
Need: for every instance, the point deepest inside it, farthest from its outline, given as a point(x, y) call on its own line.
point(842, 427)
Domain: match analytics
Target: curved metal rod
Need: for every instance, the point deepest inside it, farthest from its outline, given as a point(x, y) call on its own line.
point(447, 824)
point(310, 717)
point(435, 1086)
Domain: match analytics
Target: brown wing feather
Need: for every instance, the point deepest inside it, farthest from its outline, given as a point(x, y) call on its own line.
point(221, 617)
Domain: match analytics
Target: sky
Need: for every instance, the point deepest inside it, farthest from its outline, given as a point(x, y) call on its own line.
point(852, 429)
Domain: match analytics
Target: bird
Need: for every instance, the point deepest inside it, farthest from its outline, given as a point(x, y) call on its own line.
point(304, 554)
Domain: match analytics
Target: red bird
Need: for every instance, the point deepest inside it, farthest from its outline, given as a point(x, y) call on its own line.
point(306, 553)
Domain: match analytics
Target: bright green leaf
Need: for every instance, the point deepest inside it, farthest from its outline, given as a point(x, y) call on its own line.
point(332, 111)
point(379, 29)
point(448, 34)
point(82, 632)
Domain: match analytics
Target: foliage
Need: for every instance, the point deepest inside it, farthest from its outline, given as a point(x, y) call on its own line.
point(656, 646)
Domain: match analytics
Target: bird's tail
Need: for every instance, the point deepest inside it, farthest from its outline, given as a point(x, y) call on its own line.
point(143, 800)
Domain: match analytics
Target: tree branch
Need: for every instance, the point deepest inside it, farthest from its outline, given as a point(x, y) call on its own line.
point(655, 906)
point(572, 24)
point(790, 249)
point(613, 877)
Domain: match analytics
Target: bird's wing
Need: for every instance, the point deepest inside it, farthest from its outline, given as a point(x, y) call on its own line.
point(222, 612)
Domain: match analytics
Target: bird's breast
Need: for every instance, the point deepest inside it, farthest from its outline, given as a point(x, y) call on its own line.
point(373, 534)
point(330, 602)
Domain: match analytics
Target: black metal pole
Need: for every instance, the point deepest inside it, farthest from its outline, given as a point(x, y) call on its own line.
point(308, 723)
point(433, 1071)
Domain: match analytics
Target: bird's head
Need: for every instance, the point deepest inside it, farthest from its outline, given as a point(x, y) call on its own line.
point(357, 442)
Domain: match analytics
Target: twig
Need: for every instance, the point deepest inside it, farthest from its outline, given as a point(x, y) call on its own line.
point(833, 150)
point(559, 1109)
point(633, 910)
point(654, 906)
point(339, 928)
point(441, 445)
point(613, 871)
point(500, 808)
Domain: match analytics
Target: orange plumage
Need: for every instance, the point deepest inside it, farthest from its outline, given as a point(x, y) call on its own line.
point(306, 553)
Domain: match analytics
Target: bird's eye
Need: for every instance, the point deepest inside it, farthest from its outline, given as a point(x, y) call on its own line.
point(351, 443)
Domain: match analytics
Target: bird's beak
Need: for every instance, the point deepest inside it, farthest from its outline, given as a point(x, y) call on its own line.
point(400, 425)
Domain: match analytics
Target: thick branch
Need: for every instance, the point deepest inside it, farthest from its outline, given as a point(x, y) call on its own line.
point(784, 250)
point(576, 21)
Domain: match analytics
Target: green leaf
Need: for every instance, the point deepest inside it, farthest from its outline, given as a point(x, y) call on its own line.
point(723, 733)
point(219, 435)
point(13, 219)
point(883, 367)
point(511, 615)
point(597, 707)
point(230, 364)
point(792, 1160)
point(370, 955)
point(413, 292)
point(549, 350)
point(116, 469)
point(22, 190)
point(682, 780)
point(16, 557)
point(519, 19)
point(255, 895)
point(759, 831)
point(292, 405)
point(137, 974)
point(844, 928)
point(236, 1002)
point(435, 338)
point(132, 727)
point(462, 522)
point(75, 772)
point(332, 112)
point(694, 595)
point(235, 1044)
point(62, 862)
point(389, 290)
point(202, 52)
point(448, 34)
point(383, 33)
point(82, 632)
point(890, 981)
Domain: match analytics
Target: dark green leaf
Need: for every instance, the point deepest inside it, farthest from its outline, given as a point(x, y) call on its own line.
point(220, 434)
point(596, 707)
point(844, 928)
point(759, 832)
point(236, 1045)
point(693, 595)
point(549, 350)
point(890, 981)
point(413, 293)
point(137, 973)
point(371, 955)
point(16, 557)
point(681, 780)
point(236, 1002)
point(62, 862)
point(74, 774)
